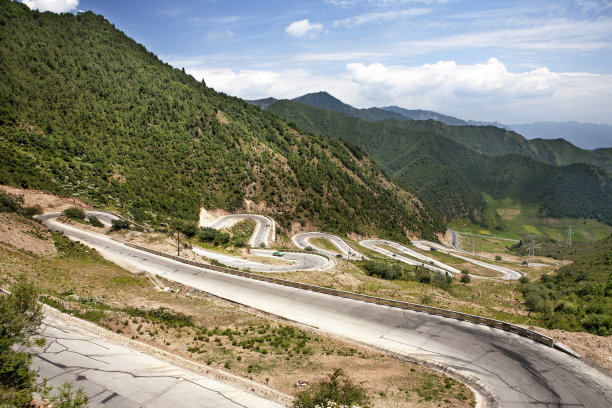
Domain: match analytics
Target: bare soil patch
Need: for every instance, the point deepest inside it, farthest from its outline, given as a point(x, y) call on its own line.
point(596, 350)
point(21, 234)
point(48, 201)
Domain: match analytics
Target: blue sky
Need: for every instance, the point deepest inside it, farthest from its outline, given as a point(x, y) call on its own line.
point(506, 61)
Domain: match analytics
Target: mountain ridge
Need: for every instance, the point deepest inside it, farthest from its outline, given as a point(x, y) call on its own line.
point(94, 114)
point(428, 157)
point(588, 136)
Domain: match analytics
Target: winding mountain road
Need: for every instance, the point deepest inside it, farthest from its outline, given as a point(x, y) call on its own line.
point(507, 273)
point(512, 371)
point(346, 252)
point(295, 261)
point(425, 261)
point(265, 230)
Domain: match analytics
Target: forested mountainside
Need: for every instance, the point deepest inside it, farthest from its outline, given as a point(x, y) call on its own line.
point(87, 111)
point(453, 177)
point(486, 139)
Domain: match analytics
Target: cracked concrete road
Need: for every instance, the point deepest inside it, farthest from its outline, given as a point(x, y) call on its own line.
point(116, 376)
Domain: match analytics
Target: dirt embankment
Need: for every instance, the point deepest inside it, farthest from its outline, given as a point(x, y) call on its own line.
point(48, 201)
point(596, 350)
point(21, 234)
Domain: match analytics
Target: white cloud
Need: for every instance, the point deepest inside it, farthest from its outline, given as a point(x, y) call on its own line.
point(379, 17)
point(552, 35)
point(304, 28)
point(219, 35)
point(485, 91)
point(381, 3)
point(57, 6)
point(446, 79)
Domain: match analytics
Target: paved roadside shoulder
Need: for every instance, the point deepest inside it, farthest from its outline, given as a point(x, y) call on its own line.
point(118, 372)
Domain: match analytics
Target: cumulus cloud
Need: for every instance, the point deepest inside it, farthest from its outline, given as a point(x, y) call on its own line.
point(304, 28)
point(486, 91)
point(491, 79)
point(57, 6)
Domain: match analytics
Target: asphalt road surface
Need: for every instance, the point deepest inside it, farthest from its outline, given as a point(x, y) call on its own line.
point(265, 231)
point(511, 370)
point(507, 273)
point(116, 376)
point(295, 261)
point(430, 263)
point(303, 241)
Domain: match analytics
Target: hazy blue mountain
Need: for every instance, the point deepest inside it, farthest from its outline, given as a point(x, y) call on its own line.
point(420, 114)
point(584, 135)
point(263, 103)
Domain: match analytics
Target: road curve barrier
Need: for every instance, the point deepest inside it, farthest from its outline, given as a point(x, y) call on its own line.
point(498, 324)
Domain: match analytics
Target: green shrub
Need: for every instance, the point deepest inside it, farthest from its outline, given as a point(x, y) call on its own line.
point(383, 270)
point(337, 391)
point(119, 224)
point(74, 213)
point(217, 237)
point(94, 221)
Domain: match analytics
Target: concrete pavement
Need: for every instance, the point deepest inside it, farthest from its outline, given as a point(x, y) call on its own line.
point(513, 371)
point(116, 376)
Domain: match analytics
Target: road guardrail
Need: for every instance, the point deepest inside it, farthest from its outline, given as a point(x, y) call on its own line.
point(498, 324)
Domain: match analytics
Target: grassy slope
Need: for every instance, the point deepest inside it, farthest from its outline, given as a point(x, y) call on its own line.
point(87, 111)
point(507, 218)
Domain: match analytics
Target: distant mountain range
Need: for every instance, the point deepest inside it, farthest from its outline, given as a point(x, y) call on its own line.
point(453, 166)
point(583, 135)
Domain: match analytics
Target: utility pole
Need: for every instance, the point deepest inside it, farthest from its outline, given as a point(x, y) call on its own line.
point(532, 249)
point(178, 243)
point(569, 236)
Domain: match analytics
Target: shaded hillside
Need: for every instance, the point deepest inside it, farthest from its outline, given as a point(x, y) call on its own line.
point(561, 152)
point(496, 141)
point(453, 177)
point(87, 111)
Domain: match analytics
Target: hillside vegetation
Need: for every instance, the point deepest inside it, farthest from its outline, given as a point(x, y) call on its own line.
point(453, 177)
point(578, 297)
point(86, 111)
